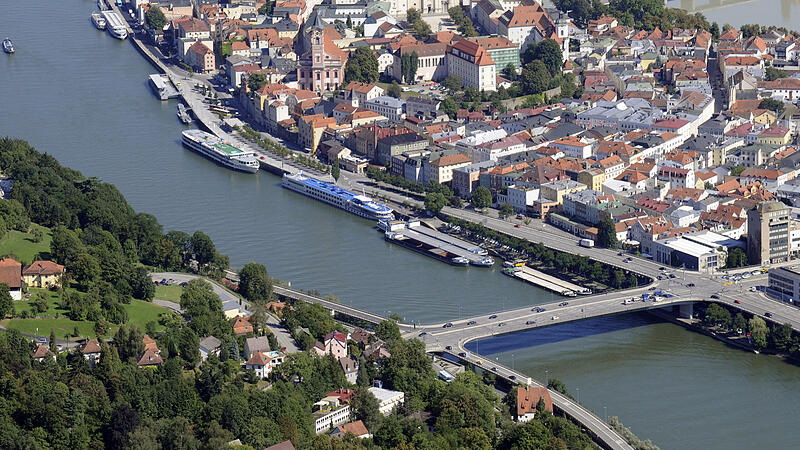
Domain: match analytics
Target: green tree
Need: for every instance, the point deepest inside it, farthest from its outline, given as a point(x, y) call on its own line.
point(737, 170)
point(449, 107)
point(773, 74)
point(349, 22)
point(633, 280)
point(607, 233)
point(413, 65)
point(85, 269)
point(394, 90)
point(203, 248)
point(435, 201)
point(510, 71)
point(506, 210)
point(739, 323)
point(548, 52)
point(453, 83)
point(535, 78)
point(52, 341)
point(366, 408)
point(782, 337)
point(619, 279)
point(412, 15)
point(257, 80)
point(39, 303)
point(736, 258)
point(189, 347)
point(772, 104)
point(759, 332)
point(481, 198)
point(336, 172)
point(156, 18)
point(362, 66)
point(254, 282)
point(718, 315)
point(387, 330)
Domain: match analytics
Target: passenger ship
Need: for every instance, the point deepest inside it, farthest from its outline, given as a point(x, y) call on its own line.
point(220, 151)
point(331, 194)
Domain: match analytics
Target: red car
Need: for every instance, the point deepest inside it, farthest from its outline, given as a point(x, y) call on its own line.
point(737, 301)
point(516, 226)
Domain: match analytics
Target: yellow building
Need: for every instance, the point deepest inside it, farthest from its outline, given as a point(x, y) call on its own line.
point(592, 178)
point(43, 274)
point(774, 136)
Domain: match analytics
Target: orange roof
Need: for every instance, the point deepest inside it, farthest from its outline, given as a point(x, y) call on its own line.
point(361, 88)
point(10, 273)
point(200, 48)
point(43, 268)
point(742, 61)
point(91, 346)
point(528, 397)
point(258, 359)
point(450, 160)
point(150, 343)
point(239, 45)
point(41, 352)
point(149, 358)
point(357, 428)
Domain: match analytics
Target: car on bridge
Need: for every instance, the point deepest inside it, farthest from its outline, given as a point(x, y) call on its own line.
point(715, 296)
point(563, 304)
point(448, 325)
point(501, 324)
point(493, 316)
point(494, 369)
point(530, 322)
point(462, 354)
point(690, 285)
point(554, 318)
point(423, 333)
point(768, 314)
point(471, 322)
point(738, 302)
point(449, 347)
point(538, 309)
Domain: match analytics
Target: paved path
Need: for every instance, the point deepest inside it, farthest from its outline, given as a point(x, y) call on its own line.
point(169, 305)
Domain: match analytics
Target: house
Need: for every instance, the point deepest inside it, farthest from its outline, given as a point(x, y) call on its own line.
point(43, 274)
point(359, 93)
point(528, 398)
point(285, 445)
point(11, 274)
point(441, 169)
point(330, 412)
point(254, 345)
point(388, 400)
point(335, 344)
point(150, 344)
point(472, 64)
point(241, 326)
point(149, 359)
point(42, 353)
point(357, 428)
point(200, 57)
point(349, 366)
point(91, 351)
point(260, 363)
point(209, 345)
point(525, 25)
point(231, 309)
point(240, 48)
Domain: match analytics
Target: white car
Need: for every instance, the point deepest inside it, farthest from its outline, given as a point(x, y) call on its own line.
point(554, 318)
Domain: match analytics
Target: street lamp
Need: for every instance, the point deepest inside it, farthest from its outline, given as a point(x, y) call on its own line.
point(579, 394)
point(605, 412)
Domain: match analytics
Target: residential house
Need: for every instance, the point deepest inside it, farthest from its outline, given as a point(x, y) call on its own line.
point(356, 428)
point(775, 136)
point(241, 326)
point(260, 363)
point(677, 177)
point(149, 359)
point(231, 309)
point(334, 343)
point(11, 275)
point(209, 345)
point(573, 146)
point(310, 129)
point(43, 274)
point(390, 146)
point(527, 399)
point(91, 351)
point(349, 365)
point(201, 58)
point(388, 107)
point(388, 400)
point(525, 25)
point(330, 412)
point(254, 345)
point(360, 93)
point(441, 169)
point(42, 353)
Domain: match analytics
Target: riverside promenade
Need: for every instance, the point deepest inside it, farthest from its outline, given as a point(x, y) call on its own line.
point(194, 100)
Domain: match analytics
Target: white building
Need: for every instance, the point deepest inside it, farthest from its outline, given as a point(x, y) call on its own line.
point(389, 107)
point(330, 413)
point(388, 400)
point(520, 197)
point(473, 64)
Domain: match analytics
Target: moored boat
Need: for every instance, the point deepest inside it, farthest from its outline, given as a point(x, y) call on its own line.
point(98, 21)
point(219, 151)
point(323, 191)
point(8, 46)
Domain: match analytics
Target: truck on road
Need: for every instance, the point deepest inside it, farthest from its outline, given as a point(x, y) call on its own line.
point(588, 243)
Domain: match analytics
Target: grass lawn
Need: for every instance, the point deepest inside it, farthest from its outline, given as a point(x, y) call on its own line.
point(139, 313)
point(21, 246)
point(171, 292)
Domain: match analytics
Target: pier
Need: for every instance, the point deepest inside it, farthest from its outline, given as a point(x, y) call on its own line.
point(163, 87)
point(546, 281)
point(444, 247)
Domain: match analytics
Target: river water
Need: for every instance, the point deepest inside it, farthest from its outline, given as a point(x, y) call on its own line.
point(781, 13)
point(82, 96)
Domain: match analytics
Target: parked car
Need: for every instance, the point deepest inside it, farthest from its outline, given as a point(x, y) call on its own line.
point(690, 285)
point(41, 340)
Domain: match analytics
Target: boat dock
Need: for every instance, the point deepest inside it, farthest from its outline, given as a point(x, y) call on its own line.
point(545, 281)
point(163, 87)
point(441, 246)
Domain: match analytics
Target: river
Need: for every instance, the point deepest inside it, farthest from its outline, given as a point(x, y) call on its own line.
point(781, 13)
point(82, 96)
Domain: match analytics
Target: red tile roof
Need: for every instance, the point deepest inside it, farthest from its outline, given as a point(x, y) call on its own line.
point(91, 346)
point(258, 359)
point(43, 268)
point(11, 273)
point(357, 428)
point(41, 352)
point(149, 358)
point(527, 398)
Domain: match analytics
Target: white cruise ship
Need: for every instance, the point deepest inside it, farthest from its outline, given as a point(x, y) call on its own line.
point(115, 25)
point(331, 194)
point(220, 151)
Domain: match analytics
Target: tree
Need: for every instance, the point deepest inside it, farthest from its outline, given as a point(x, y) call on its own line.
point(394, 90)
point(435, 201)
point(413, 65)
point(422, 29)
point(85, 269)
point(619, 279)
point(254, 282)
point(349, 22)
point(412, 15)
point(203, 248)
point(548, 52)
point(633, 280)
point(773, 74)
point(449, 107)
point(39, 303)
point(718, 315)
point(366, 408)
point(737, 170)
point(510, 71)
point(758, 332)
point(387, 330)
point(256, 80)
point(142, 286)
point(481, 198)
point(506, 210)
point(736, 258)
point(739, 323)
point(52, 341)
point(453, 83)
point(782, 337)
point(362, 66)
point(189, 346)
point(156, 18)
point(535, 78)
point(714, 32)
point(607, 233)
point(772, 104)
point(336, 172)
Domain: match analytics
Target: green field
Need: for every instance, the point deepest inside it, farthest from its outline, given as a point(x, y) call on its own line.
point(171, 292)
point(21, 246)
point(139, 314)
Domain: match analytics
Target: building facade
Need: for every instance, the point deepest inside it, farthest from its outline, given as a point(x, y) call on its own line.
point(768, 238)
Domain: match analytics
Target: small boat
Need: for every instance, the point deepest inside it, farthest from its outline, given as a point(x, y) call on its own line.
point(183, 114)
point(8, 46)
point(98, 21)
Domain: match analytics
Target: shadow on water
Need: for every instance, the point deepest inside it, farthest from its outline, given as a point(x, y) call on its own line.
point(558, 333)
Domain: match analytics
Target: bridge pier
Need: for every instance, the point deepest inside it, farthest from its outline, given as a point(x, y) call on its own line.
point(686, 311)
